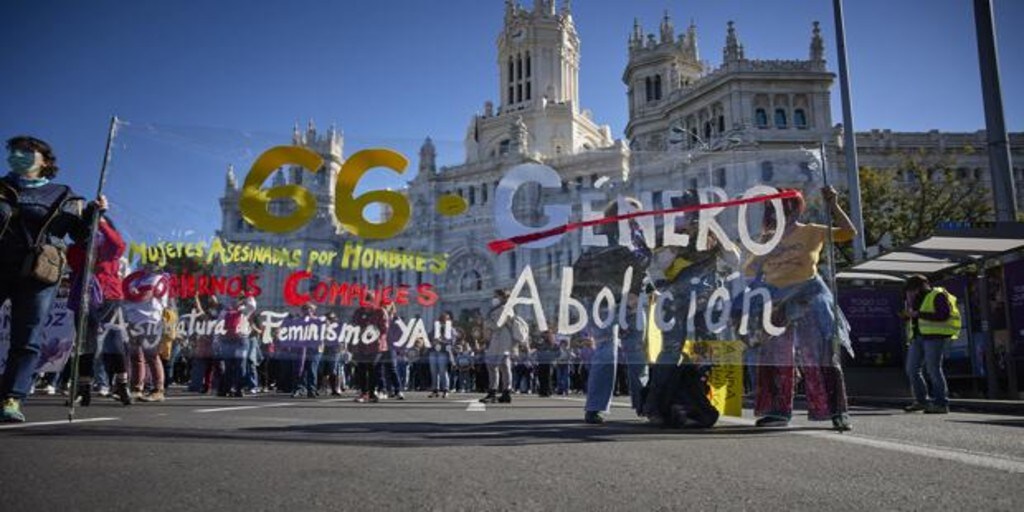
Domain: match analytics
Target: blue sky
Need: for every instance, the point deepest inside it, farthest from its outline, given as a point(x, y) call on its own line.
point(392, 72)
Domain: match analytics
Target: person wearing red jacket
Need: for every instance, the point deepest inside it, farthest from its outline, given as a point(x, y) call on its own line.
point(106, 295)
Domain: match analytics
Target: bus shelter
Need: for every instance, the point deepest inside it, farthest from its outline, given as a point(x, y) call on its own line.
point(983, 265)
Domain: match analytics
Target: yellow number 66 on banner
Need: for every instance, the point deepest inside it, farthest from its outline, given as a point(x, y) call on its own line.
point(255, 201)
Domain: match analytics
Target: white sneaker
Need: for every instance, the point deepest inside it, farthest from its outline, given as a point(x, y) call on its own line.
point(104, 391)
point(50, 390)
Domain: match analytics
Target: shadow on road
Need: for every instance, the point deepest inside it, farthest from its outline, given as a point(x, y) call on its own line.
point(419, 435)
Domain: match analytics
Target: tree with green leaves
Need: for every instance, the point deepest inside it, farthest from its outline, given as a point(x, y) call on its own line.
point(907, 202)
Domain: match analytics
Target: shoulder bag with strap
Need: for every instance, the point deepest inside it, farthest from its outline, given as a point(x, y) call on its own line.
point(45, 262)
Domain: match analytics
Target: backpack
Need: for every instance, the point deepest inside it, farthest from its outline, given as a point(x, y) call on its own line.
point(233, 322)
point(519, 328)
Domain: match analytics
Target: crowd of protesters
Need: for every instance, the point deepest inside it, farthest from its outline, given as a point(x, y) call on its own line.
point(497, 354)
point(545, 365)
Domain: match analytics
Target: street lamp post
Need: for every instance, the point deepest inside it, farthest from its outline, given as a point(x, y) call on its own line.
point(849, 137)
point(995, 127)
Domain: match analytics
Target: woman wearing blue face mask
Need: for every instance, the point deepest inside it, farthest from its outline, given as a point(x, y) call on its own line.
point(33, 211)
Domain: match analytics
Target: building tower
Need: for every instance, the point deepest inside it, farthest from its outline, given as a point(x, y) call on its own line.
point(538, 76)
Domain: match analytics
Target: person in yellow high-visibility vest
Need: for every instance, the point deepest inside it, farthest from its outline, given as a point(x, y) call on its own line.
point(933, 319)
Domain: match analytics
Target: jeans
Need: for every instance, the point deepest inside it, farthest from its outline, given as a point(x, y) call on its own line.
point(927, 354)
point(310, 370)
point(562, 375)
point(169, 364)
point(601, 380)
point(253, 357)
point(439, 370)
point(198, 368)
point(402, 367)
point(30, 305)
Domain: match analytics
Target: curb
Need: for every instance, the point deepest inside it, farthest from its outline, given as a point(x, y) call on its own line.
point(1007, 407)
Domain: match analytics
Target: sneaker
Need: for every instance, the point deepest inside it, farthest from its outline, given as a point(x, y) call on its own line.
point(490, 398)
point(156, 396)
point(915, 407)
point(363, 398)
point(12, 412)
point(433, 394)
point(335, 392)
point(444, 394)
point(772, 421)
point(593, 418)
point(104, 391)
point(841, 423)
point(50, 390)
point(505, 398)
point(400, 396)
point(936, 409)
point(84, 392)
point(122, 394)
point(374, 398)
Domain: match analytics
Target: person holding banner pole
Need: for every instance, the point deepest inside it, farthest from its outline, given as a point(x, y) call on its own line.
point(606, 268)
point(804, 305)
point(675, 394)
point(103, 336)
point(36, 215)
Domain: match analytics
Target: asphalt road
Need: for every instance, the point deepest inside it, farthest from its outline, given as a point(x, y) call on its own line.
point(274, 452)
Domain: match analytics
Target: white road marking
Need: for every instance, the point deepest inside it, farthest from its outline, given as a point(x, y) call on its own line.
point(11, 426)
point(243, 408)
point(474, 405)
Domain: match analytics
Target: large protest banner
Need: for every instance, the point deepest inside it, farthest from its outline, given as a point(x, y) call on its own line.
point(58, 337)
point(718, 248)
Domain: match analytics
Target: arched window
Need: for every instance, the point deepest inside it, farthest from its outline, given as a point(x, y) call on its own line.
point(649, 86)
point(657, 87)
point(528, 64)
point(707, 130)
point(780, 118)
point(471, 282)
point(761, 118)
point(721, 123)
point(483, 194)
point(472, 196)
point(800, 118)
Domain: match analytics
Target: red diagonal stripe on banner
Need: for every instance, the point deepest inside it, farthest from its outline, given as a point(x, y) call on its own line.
point(507, 244)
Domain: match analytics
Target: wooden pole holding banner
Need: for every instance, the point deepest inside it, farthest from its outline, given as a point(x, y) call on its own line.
point(829, 254)
point(90, 260)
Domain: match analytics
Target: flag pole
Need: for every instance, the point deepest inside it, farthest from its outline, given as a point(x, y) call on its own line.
point(87, 271)
point(830, 254)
